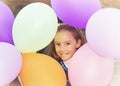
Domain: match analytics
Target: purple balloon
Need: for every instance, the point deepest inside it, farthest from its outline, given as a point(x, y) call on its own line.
point(75, 12)
point(103, 32)
point(10, 63)
point(6, 23)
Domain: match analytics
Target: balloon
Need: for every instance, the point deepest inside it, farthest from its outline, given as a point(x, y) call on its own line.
point(86, 68)
point(41, 70)
point(75, 12)
point(103, 32)
point(10, 63)
point(34, 27)
point(116, 75)
point(6, 23)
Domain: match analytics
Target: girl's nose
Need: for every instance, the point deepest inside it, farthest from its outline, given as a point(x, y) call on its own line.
point(62, 48)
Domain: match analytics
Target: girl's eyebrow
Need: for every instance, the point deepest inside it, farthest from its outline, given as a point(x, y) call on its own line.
point(64, 41)
point(55, 41)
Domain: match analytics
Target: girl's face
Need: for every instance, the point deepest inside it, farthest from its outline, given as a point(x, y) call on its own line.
point(65, 44)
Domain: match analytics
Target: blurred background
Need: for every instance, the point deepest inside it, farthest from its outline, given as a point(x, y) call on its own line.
point(17, 5)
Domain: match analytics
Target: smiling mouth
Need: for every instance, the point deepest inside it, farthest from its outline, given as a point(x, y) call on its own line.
point(63, 55)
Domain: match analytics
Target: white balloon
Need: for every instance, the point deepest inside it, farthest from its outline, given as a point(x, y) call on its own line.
point(34, 27)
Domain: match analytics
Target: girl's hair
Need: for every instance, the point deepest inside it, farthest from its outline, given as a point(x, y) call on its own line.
point(77, 33)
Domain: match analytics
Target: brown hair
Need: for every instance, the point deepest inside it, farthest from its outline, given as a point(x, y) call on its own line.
point(77, 33)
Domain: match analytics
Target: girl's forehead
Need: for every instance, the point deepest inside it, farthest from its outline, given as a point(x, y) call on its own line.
point(64, 35)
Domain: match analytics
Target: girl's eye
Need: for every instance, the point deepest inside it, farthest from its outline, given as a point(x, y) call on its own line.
point(68, 43)
point(57, 44)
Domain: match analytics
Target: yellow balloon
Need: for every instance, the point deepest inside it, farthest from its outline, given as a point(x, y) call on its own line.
point(41, 70)
point(34, 27)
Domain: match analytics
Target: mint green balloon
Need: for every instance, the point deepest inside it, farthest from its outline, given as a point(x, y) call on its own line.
point(34, 27)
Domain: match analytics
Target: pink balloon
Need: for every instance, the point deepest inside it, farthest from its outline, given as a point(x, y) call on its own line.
point(86, 68)
point(75, 12)
point(103, 32)
point(10, 63)
point(6, 23)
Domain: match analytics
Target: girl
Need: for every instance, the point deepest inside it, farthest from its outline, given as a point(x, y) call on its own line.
point(65, 43)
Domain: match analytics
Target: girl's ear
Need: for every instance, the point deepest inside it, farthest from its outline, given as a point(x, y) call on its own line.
point(78, 43)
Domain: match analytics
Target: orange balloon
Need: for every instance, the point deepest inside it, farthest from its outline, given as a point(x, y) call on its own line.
point(41, 70)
